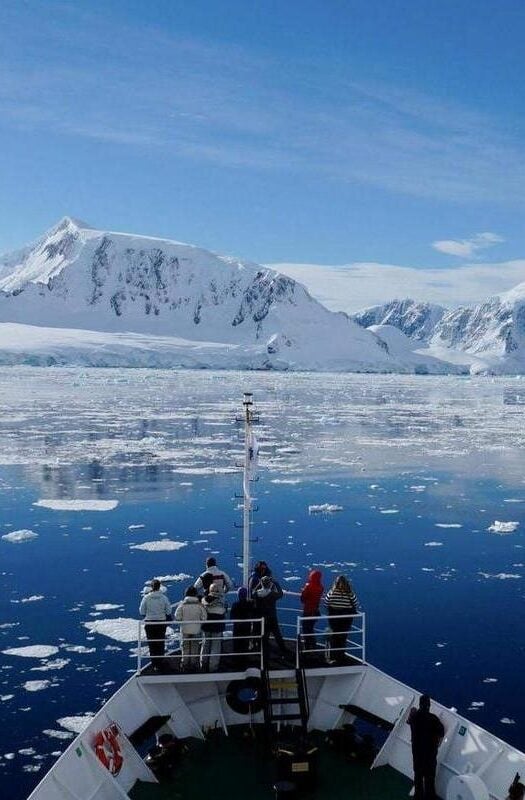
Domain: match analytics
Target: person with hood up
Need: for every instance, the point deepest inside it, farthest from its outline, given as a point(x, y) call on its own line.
point(266, 594)
point(191, 614)
point(215, 606)
point(310, 598)
point(242, 610)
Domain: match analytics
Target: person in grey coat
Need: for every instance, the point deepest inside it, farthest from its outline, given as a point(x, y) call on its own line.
point(156, 609)
point(191, 614)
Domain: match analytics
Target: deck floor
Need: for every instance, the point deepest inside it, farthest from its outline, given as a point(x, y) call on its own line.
point(237, 767)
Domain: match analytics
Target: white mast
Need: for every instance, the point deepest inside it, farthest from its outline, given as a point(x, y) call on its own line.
point(247, 500)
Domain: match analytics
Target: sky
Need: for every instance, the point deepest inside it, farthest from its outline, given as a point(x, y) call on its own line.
point(310, 132)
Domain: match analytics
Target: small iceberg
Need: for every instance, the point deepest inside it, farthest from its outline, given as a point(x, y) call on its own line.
point(15, 537)
point(324, 508)
point(77, 505)
point(503, 527)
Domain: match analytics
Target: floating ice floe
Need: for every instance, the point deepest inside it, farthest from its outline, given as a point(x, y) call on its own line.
point(508, 721)
point(49, 666)
point(503, 527)
point(36, 686)
point(500, 576)
point(136, 527)
point(433, 544)
point(324, 508)
point(5, 697)
point(180, 576)
point(58, 734)
point(77, 505)
point(448, 525)
point(77, 723)
point(107, 606)
point(163, 544)
point(122, 629)
point(389, 511)
point(32, 651)
point(19, 536)
point(32, 598)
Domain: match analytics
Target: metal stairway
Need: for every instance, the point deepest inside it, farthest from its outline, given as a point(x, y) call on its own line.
point(296, 703)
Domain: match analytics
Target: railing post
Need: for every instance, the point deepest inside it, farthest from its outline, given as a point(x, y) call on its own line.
point(139, 648)
point(297, 635)
point(261, 643)
point(363, 626)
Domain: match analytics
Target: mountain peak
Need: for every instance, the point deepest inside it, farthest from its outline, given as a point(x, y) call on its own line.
point(66, 223)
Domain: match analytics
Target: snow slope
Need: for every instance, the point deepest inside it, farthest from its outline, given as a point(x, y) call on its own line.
point(163, 303)
point(407, 351)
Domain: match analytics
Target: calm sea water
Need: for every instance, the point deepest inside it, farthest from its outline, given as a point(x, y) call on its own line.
point(422, 467)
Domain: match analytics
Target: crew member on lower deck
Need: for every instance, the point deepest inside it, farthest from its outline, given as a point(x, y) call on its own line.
point(427, 732)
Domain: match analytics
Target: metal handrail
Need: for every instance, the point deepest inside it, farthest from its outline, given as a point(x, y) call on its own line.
point(227, 623)
point(355, 641)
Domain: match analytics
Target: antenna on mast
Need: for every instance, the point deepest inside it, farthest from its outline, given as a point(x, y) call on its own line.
point(251, 449)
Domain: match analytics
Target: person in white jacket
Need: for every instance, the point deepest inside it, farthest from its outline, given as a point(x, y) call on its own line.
point(191, 614)
point(156, 608)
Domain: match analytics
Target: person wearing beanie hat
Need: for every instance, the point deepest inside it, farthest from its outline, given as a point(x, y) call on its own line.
point(242, 610)
point(191, 614)
point(215, 606)
point(266, 595)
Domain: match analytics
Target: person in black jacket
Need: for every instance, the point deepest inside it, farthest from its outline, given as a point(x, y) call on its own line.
point(266, 594)
point(427, 732)
point(242, 610)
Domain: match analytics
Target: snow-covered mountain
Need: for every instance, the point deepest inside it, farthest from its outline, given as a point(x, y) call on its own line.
point(489, 337)
point(416, 320)
point(172, 297)
point(493, 333)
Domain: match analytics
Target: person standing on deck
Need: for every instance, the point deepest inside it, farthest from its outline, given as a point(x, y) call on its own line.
point(427, 732)
point(260, 569)
point(191, 613)
point(156, 608)
point(242, 610)
point(267, 594)
point(215, 607)
point(342, 602)
point(310, 598)
point(213, 574)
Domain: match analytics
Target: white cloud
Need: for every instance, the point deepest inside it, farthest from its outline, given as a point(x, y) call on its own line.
point(467, 248)
point(355, 286)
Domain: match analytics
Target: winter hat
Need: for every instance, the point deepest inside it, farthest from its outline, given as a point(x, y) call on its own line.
point(242, 594)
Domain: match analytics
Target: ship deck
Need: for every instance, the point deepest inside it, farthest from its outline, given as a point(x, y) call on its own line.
point(238, 766)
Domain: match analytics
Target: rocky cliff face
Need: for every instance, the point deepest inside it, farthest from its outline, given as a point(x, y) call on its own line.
point(416, 320)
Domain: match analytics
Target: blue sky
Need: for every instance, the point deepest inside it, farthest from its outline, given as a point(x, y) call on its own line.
point(312, 131)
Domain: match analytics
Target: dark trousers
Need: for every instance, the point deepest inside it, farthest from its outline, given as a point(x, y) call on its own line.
point(271, 625)
point(156, 636)
point(424, 779)
point(307, 627)
point(243, 629)
point(340, 629)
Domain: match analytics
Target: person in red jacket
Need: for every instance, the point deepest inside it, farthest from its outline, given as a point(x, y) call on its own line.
point(310, 598)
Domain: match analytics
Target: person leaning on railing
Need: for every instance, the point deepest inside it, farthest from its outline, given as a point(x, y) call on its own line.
point(215, 605)
point(192, 614)
point(311, 595)
point(156, 609)
point(341, 601)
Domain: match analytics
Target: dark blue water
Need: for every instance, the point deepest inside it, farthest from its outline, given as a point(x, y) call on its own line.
point(444, 604)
